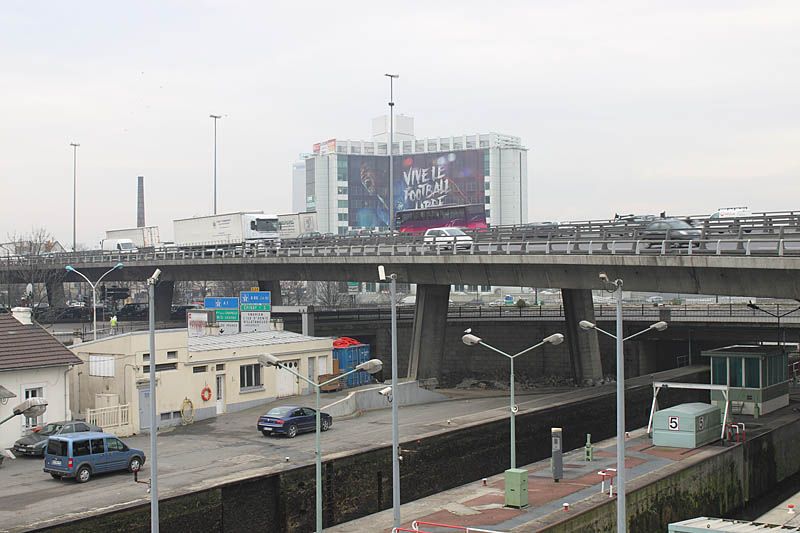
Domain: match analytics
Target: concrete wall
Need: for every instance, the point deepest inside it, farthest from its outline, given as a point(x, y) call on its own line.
point(366, 399)
point(53, 383)
point(360, 484)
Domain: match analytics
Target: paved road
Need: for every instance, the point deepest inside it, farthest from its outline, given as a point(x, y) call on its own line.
point(206, 452)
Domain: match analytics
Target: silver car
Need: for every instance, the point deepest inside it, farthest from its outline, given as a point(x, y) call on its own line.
point(445, 238)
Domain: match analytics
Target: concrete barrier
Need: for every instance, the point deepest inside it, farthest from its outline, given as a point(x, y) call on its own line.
point(369, 398)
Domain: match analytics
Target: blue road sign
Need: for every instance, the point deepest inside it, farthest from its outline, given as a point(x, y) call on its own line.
point(252, 297)
point(213, 302)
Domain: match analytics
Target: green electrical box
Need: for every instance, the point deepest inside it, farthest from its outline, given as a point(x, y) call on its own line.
point(689, 425)
point(516, 488)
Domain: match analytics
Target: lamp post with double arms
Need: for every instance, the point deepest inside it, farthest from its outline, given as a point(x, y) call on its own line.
point(372, 366)
point(70, 268)
point(776, 315)
point(391, 77)
point(586, 325)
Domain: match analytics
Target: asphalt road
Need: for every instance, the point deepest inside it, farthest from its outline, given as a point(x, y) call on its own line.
point(204, 453)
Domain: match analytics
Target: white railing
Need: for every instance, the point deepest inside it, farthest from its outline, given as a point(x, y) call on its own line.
point(109, 417)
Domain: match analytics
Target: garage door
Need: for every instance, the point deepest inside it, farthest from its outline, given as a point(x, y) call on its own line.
point(287, 382)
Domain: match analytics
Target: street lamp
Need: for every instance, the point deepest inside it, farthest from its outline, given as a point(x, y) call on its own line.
point(30, 408)
point(395, 415)
point(74, 192)
point(372, 366)
point(216, 118)
point(473, 340)
point(586, 325)
point(94, 285)
point(391, 77)
point(778, 316)
point(151, 293)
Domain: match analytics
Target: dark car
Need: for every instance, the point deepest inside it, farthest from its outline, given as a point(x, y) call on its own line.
point(672, 229)
point(290, 420)
point(133, 312)
point(36, 443)
point(310, 235)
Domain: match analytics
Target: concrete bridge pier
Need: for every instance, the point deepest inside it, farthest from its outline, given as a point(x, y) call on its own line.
point(56, 296)
point(428, 331)
point(164, 291)
point(584, 348)
point(274, 287)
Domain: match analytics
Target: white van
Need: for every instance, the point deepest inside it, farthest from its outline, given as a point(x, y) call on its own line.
point(731, 212)
point(125, 246)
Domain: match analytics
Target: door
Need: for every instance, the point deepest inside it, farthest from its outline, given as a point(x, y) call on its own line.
point(100, 459)
point(287, 384)
point(117, 454)
point(220, 393)
point(144, 408)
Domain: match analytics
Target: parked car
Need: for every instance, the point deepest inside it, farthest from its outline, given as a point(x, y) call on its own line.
point(82, 455)
point(445, 238)
point(290, 420)
point(672, 229)
point(36, 442)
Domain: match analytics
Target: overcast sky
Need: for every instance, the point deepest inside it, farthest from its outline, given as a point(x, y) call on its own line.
point(625, 106)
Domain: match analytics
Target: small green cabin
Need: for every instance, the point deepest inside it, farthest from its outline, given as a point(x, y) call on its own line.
point(756, 376)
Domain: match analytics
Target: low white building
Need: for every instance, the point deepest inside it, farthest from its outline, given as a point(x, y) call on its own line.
point(197, 377)
point(33, 363)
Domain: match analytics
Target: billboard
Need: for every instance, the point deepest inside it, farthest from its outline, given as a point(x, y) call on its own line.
point(420, 181)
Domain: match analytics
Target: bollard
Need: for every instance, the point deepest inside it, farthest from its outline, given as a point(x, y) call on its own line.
point(588, 448)
point(791, 508)
point(556, 461)
point(484, 481)
point(565, 506)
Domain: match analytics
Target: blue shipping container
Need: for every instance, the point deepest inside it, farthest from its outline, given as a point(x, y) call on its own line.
point(351, 357)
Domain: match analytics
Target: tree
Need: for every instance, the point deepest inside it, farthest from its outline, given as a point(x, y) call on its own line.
point(328, 293)
point(295, 292)
point(25, 282)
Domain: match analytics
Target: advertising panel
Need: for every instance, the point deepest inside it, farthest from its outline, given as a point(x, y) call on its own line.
point(420, 181)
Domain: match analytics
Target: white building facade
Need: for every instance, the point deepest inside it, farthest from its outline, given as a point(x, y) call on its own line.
point(346, 181)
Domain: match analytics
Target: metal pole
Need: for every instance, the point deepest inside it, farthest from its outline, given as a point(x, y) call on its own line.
point(391, 154)
point(151, 289)
point(318, 466)
point(215, 117)
point(621, 515)
point(74, 193)
point(395, 401)
point(513, 421)
point(94, 311)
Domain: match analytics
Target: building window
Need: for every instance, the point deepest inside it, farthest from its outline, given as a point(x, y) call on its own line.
point(486, 185)
point(487, 199)
point(172, 354)
point(220, 367)
point(145, 357)
point(161, 367)
point(487, 170)
point(101, 366)
point(341, 190)
point(199, 369)
point(249, 376)
point(736, 371)
point(369, 286)
point(33, 392)
point(719, 371)
point(751, 373)
point(488, 213)
point(342, 203)
point(342, 217)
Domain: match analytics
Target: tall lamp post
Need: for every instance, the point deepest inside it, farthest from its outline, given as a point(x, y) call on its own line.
point(391, 77)
point(69, 268)
point(395, 415)
point(151, 293)
point(216, 118)
point(472, 340)
point(372, 366)
point(586, 325)
point(74, 193)
point(777, 315)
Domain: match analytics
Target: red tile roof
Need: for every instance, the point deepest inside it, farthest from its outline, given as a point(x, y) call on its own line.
point(30, 346)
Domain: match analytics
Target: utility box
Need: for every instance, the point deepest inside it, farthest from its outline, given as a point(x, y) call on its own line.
point(689, 425)
point(516, 488)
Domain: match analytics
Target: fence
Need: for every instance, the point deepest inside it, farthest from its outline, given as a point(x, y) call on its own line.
point(109, 417)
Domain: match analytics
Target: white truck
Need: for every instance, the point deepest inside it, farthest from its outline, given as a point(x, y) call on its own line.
point(145, 237)
point(226, 229)
point(293, 225)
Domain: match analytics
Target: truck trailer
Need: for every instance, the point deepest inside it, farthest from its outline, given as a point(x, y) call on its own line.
point(227, 229)
point(293, 225)
point(144, 237)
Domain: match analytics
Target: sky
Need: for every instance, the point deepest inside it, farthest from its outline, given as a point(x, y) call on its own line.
point(626, 106)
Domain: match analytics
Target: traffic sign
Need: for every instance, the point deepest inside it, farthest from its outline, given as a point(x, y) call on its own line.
point(256, 307)
point(255, 297)
point(226, 315)
point(214, 302)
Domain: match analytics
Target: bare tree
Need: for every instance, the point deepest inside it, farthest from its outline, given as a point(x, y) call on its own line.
point(295, 292)
point(328, 293)
point(25, 281)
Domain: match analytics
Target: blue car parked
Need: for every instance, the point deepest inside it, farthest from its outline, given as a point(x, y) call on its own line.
point(292, 419)
point(82, 455)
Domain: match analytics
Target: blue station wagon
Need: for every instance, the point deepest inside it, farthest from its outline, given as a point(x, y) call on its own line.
point(291, 419)
point(82, 455)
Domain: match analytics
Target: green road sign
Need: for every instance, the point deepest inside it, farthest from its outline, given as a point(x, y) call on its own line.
point(227, 315)
point(256, 307)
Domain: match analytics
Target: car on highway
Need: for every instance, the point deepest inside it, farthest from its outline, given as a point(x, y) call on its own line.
point(445, 238)
point(290, 420)
point(36, 443)
point(672, 229)
point(310, 235)
point(82, 455)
